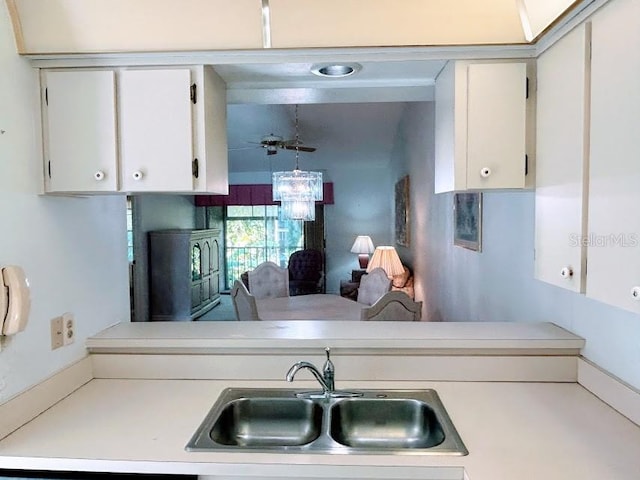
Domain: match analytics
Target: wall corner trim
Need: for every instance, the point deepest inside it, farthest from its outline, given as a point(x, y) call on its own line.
point(27, 405)
point(611, 390)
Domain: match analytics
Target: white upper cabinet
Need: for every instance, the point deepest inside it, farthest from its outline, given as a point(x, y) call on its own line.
point(484, 129)
point(79, 117)
point(156, 130)
point(562, 161)
point(614, 177)
point(166, 132)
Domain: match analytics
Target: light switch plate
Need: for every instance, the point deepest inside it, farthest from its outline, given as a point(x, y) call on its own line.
point(57, 340)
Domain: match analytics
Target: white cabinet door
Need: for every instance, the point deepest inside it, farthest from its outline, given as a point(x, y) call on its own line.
point(562, 163)
point(79, 129)
point(156, 133)
point(483, 126)
point(614, 178)
point(496, 125)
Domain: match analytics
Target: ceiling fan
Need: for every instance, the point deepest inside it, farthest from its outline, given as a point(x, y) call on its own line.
point(272, 143)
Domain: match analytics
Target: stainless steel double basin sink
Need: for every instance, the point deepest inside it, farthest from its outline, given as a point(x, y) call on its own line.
point(295, 421)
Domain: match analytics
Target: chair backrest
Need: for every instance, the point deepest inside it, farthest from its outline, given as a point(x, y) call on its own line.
point(269, 280)
point(243, 302)
point(306, 272)
point(395, 305)
point(373, 285)
point(305, 265)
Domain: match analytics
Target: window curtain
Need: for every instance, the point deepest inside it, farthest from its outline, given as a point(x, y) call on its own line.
point(314, 238)
point(314, 231)
point(249, 195)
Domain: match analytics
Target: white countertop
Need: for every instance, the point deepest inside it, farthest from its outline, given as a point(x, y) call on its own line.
point(264, 336)
point(542, 431)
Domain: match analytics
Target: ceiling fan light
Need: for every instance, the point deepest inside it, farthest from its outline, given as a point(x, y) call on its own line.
point(336, 70)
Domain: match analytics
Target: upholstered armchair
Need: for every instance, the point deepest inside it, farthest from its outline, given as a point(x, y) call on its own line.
point(306, 272)
point(404, 283)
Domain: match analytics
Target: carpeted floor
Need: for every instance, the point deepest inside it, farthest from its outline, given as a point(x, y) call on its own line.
point(221, 312)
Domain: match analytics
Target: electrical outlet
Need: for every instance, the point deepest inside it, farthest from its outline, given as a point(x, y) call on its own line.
point(68, 328)
point(57, 340)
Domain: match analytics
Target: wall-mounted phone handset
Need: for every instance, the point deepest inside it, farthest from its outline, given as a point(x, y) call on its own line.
point(15, 300)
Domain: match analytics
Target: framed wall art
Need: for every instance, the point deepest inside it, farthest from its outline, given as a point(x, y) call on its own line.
point(402, 212)
point(467, 220)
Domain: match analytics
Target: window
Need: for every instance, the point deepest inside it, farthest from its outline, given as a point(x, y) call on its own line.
point(255, 234)
point(130, 229)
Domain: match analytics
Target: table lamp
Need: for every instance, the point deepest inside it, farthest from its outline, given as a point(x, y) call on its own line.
point(363, 246)
point(387, 258)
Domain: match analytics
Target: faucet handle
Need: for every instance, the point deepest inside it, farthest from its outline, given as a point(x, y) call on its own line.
point(328, 370)
point(328, 364)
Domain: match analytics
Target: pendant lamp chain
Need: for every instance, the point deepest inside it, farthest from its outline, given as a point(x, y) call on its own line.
point(297, 138)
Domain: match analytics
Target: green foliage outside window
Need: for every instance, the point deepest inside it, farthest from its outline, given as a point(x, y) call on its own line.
point(255, 234)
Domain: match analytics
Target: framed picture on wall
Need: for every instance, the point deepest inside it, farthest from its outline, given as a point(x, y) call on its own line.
point(402, 211)
point(467, 220)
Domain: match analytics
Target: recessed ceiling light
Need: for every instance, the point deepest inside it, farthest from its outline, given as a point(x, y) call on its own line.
point(335, 70)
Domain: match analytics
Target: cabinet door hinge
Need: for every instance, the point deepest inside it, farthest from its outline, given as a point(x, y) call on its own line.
point(46, 96)
point(195, 171)
point(526, 164)
point(527, 88)
point(194, 93)
point(49, 168)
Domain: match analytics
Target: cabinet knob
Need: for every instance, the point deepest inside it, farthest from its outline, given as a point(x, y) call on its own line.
point(99, 175)
point(137, 175)
point(635, 293)
point(485, 172)
point(566, 272)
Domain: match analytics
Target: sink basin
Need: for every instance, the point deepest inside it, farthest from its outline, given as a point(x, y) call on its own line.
point(288, 421)
point(250, 422)
point(385, 423)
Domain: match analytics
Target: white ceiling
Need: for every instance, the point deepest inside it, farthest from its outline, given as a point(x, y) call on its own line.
point(359, 133)
point(352, 119)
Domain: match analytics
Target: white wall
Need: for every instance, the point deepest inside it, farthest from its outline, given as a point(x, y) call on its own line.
point(497, 284)
point(363, 199)
point(73, 250)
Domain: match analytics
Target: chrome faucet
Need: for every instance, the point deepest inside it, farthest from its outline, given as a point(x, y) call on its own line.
point(326, 378)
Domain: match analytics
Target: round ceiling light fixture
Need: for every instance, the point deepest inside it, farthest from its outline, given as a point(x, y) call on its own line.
point(335, 70)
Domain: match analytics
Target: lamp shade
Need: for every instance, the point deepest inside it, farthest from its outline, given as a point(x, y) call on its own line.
point(363, 244)
point(386, 258)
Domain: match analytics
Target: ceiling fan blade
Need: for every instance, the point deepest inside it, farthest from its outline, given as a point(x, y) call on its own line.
point(235, 149)
point(299, 147)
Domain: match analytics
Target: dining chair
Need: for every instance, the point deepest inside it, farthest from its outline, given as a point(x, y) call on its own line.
point(394, 305)
point(268, 280)
point(244, 303)
point(373, 285)
point(306, 272)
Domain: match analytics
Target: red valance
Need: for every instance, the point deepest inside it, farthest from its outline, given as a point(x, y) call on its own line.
point(260, 194)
